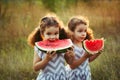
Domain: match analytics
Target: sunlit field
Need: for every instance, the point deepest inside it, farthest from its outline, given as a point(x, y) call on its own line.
point(19, 18)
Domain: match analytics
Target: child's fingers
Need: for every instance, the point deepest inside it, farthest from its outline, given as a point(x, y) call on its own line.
point(71, 48)
point(67, 50)
point(100, 51)
point(70, 53)
point(88, 55)
point(48, 52)
point(53, 53)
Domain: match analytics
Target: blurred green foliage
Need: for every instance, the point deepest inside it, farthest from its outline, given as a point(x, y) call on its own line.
point(19, 17)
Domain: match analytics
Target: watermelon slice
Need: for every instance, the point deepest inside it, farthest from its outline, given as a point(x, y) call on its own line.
point(59, 45)
point(93, 46)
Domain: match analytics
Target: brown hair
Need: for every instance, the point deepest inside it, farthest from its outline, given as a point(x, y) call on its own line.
point(77, 21)
point(47, 21)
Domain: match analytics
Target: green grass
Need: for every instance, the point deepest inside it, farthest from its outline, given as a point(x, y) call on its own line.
point(16, 62)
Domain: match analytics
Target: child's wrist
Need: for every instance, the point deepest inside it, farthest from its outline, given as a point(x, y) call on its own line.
point(87, 55)
point(47, 59)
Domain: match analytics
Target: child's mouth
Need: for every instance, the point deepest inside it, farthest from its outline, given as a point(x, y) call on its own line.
point(52, 40)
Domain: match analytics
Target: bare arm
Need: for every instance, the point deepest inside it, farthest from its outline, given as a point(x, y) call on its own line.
point(93, 57)
point(78, 62)
point(69, 57)
point(38, 63)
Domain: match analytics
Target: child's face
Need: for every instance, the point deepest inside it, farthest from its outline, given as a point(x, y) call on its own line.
point(80, 32)
point(51, 33)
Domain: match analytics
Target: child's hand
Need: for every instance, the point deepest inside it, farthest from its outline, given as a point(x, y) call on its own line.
point(70, 52)
point(50, 55)
point(69, 56)
point(100, 51)
point(87, 55)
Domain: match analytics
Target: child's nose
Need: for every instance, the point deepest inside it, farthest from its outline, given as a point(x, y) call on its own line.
point(52, 36)
point(83, 34)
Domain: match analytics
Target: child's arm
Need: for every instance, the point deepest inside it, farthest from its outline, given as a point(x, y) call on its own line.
point(93, 57)
point(69, 56)
point(79, 61)
point(38, 63)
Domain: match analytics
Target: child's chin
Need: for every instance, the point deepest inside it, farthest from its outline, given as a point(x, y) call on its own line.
point(81, 40)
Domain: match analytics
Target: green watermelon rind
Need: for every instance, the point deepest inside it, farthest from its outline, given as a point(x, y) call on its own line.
point(84, 48)
point(91, 52)
point(60, 50)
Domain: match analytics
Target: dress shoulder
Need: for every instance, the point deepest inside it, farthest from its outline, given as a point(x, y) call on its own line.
point(40, 53)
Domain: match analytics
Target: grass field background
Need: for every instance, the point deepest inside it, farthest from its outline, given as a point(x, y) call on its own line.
point(19, 18)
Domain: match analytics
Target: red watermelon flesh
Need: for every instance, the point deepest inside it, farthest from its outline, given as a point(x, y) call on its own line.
point(93, 46)
point(59, 45)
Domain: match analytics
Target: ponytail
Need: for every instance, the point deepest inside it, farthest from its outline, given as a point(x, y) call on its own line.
point(90, 35)
point(34, 36)
point(63, 34)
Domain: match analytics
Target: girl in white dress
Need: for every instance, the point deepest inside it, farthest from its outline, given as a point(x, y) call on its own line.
point(51, 65)
point(79, 31)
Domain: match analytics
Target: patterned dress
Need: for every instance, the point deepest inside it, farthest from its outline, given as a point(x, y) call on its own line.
point(82, 72)
point(55, 70)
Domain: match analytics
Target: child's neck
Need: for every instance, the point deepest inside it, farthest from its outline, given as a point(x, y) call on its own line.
point(79, 44)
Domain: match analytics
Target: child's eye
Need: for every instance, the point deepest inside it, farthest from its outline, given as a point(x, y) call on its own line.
point(79, 30)
point(82, 30)
point(56, 33)
point(48, 33)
